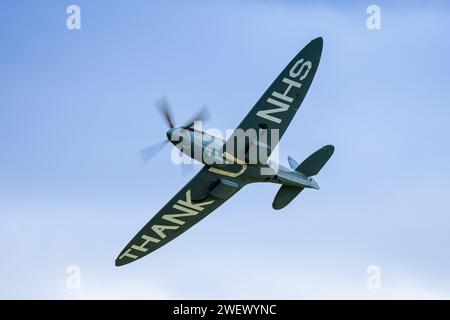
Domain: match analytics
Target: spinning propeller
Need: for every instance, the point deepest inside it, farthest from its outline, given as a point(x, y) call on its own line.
point(164, 109)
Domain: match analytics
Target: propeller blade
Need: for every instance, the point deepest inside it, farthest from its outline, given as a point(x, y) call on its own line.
point(164, 108)
point(202, 115)
point(151, 151)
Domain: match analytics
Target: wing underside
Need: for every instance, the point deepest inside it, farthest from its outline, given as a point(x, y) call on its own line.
point(278, 105)
point(190, 205)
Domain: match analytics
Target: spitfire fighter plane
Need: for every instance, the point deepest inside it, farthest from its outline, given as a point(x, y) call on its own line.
point(231, 168)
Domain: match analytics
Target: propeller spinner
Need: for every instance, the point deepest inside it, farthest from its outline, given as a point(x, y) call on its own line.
point(163, 107)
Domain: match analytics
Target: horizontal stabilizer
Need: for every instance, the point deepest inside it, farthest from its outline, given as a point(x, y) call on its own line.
point(312, 165)
point(284, 196)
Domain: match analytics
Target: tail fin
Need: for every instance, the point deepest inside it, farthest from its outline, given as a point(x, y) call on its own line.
point(292, 163)
point(310, 167)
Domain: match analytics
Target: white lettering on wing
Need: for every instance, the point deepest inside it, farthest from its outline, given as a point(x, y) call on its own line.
point(283, 100)
point(185, 208)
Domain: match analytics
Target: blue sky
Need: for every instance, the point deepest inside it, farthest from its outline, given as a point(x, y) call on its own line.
point(77, 106)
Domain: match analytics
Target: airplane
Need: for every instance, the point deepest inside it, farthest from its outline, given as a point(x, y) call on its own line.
point(218, 181)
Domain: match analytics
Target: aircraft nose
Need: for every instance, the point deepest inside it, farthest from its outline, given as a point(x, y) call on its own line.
point(169, 134)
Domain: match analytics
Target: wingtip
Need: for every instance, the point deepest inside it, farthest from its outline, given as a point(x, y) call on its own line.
point(276, 207)
point(318, 40)
point(119, 263)
point(330, 148)
point(316, 46)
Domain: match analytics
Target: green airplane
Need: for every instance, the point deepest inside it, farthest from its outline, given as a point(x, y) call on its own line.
point(228, 166)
